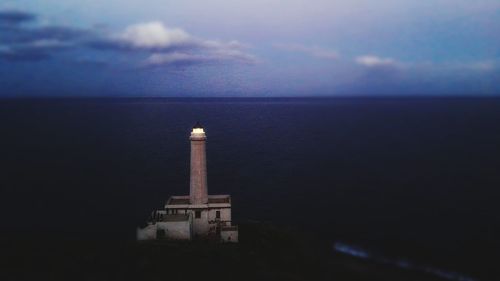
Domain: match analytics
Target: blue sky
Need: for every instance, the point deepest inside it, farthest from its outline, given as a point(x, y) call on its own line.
point(249, 48)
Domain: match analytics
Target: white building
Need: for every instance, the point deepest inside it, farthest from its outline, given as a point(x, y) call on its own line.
point(197, 215)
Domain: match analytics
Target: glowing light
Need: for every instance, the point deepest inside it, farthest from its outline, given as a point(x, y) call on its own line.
point(198, 131)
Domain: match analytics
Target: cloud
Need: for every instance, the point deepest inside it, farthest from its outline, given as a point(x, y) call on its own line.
point(173, 46)
point(15, 17)
point(153, 35)
point(34, 42)
point(313, 51)
point(163, 45)
point(174, 58)
point(167, 46)
point(374, 61)
point(20, 35)
point(40, 37)
point(416, 78)
point(477, 66)
point(37, 43)
point(185, 59)
point(33, 51)
point(233, 54)
point(149, 36)
point(22, 54)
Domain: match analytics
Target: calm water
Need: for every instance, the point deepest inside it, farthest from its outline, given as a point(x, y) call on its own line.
point(414, 178)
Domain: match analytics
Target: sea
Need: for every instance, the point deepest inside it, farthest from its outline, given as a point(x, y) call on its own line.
point(413, 180)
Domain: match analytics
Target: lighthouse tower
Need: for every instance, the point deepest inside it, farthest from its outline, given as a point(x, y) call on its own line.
point(198, 193)
point(197, 215)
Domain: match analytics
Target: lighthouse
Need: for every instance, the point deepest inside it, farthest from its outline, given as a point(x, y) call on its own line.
point(198, 193)
point(197, 215)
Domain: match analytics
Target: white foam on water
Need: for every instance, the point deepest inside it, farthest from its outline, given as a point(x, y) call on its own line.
point(359, 252)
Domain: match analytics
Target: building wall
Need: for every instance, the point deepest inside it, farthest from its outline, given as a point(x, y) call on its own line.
point(200, 225)
point(225, 214)
point(177, 230)
point(208, 218)
point(208, 221)
point(147, 233)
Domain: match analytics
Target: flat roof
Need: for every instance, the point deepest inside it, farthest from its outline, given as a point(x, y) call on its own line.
point(178, 201)
point(212, 199)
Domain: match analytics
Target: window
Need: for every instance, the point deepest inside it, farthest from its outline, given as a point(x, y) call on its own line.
point(217, 214)
point(197, 214)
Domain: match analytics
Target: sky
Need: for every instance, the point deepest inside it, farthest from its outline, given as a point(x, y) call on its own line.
point(258, 48)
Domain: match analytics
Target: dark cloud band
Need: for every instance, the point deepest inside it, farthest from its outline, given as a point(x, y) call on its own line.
point(15, 17)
